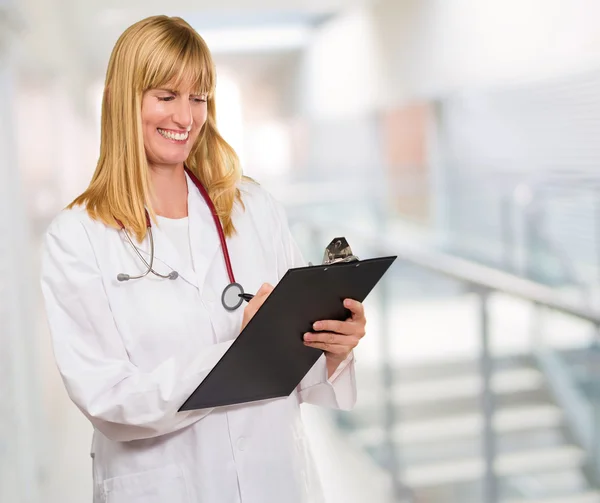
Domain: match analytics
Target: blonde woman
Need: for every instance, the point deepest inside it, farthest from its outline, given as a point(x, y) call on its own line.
point(133, 275)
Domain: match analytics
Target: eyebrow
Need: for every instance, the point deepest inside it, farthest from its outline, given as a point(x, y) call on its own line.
point(172, 91)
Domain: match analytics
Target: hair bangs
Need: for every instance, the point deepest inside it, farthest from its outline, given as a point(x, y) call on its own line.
point(182, 62)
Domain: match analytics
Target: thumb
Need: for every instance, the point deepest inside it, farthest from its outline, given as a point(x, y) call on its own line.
point(264, 289)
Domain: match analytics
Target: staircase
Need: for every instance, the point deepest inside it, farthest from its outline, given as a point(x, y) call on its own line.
point(437, 434)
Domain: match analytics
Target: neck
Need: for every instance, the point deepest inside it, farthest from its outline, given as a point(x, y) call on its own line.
point(169, 187)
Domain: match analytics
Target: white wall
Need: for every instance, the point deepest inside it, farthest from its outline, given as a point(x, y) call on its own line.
point(393, 51)
point(432, 47)
point(58, 147)
point(399, 50)
point(342, 69)
point(20, 417)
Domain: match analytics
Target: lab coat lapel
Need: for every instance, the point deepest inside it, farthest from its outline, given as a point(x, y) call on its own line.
point(204, 237)
point(166, 253)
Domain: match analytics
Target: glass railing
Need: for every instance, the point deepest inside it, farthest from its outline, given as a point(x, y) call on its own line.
point(470, 392)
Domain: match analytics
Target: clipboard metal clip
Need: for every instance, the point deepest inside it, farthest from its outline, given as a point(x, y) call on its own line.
point(338, 251)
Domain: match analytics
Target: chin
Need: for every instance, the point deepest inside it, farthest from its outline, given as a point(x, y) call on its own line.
point(173, 159)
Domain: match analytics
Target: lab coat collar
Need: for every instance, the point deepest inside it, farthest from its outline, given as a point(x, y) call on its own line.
point(204, 242)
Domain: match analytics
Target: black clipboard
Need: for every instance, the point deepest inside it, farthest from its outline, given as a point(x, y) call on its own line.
point(269, 359)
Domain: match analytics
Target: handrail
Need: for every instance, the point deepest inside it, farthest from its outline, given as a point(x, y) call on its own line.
point(477, 275)
point(493, 279)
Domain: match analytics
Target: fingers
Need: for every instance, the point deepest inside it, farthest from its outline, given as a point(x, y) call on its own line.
point(261, 295)
point(331, 339)
point(335, 349)
point(354, 326)
point(339, 337)
point(340, 327)
point(331, 343)
point(265, 288)
point(256, 302)
point(351, 327)
point(356, 308)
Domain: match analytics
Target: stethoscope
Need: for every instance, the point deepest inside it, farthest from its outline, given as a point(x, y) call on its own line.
point(233, 295)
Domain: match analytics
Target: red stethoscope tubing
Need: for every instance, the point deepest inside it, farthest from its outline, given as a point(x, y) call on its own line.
point(218, 225)
point(216, 219)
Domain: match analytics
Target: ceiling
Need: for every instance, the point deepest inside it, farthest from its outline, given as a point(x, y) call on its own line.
point(70, 41)
point(62, 36)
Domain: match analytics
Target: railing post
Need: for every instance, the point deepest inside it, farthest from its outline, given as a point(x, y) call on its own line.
point(390, 419)
point(595, 447)
point(490, 482)
point(508, 234)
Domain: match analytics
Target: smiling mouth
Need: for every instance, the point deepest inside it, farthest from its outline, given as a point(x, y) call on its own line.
point(171, 135)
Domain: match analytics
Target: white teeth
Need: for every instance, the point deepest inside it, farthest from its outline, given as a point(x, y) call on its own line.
point(173, 136)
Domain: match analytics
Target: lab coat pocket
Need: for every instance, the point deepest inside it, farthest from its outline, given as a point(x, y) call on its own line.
point(152, 486)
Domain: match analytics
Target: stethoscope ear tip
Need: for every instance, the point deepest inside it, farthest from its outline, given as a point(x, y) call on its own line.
point(122, 277)
point(173, 275)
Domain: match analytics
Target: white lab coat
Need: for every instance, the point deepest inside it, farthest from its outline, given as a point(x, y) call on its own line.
point(130, 353)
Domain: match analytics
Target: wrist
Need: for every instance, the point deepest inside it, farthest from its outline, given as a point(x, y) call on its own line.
point(334, 361)
point(337, 358)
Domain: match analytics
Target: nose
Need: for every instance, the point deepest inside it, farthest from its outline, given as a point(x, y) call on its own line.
point(182, 115)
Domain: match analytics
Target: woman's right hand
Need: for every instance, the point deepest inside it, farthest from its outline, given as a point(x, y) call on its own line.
point(254, 305)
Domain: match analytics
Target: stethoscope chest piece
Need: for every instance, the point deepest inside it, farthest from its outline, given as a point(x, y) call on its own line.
point(231, 296)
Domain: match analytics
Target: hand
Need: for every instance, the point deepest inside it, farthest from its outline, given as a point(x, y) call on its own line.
point(254, 305)
point(339, 338)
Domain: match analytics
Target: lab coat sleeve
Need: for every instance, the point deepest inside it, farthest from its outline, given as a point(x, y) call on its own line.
point(122, 402)
point(338, 391)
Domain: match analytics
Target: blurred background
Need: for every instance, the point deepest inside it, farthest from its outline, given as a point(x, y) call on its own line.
point(460, 135)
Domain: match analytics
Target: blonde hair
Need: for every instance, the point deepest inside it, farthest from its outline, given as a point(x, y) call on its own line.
point(156, 51)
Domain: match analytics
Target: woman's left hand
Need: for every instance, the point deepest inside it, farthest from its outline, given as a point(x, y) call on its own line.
point(339, 338)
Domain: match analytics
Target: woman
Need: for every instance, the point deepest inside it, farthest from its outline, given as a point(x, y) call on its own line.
point(131, 351)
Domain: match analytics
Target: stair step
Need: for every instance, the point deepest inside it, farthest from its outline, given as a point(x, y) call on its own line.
point(503, 382)
point(472, 469)
point(587, 497)
point(521, 488)
point(464, 425)
point(420, 454)
point(546, 484)
point(445, 368)
point(508, 381)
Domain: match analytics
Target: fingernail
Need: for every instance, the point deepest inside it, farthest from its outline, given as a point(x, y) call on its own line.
point(347, 303)
point(317, 325)
point(307, 337)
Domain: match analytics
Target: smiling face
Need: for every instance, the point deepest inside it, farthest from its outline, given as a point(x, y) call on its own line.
point(171, 122)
